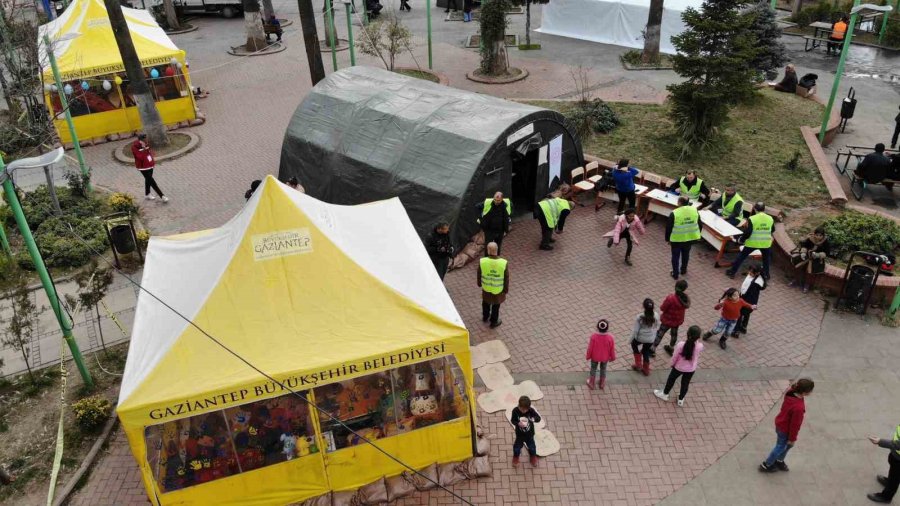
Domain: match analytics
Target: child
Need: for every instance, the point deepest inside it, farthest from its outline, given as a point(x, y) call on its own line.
point(684, 364)
point(601, 350)
point(750, 288)
point(730, 303)
point(787, 424)
point(673, 308)
point(622, 230)
point(643, 336)
point(523, 419)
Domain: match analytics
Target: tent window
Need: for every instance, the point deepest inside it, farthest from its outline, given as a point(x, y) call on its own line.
point(390, 403)
point(206, 447)
point(170, 84)
point(86, 97)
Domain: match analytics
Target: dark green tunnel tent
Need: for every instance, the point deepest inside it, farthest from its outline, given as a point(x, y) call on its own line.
point(365, 134)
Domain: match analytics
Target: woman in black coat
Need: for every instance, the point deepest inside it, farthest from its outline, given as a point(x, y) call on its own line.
point(439, 248)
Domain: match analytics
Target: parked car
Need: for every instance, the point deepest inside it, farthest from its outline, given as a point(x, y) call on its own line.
point(227, 8)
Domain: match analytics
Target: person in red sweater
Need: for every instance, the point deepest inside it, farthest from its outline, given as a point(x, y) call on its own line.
point(601, 350)
point(673, 308)
point(730, 303)
point(787, 424)
point(144, 162)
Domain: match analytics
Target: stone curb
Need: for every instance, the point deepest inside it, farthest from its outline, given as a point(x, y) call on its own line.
point(478, 79)
point(838, 196)
point(441, 77)
point(273, 48)
point(192, 28)
point(63, 495)
point(120, 156)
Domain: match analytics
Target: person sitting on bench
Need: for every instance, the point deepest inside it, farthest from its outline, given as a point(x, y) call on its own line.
point(789, 83)
point(836, 39)
point(875, 167)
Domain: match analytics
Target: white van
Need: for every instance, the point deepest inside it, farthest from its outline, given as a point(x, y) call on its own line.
point(227, 8)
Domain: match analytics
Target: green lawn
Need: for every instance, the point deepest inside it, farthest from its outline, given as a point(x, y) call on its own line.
point(759, 141)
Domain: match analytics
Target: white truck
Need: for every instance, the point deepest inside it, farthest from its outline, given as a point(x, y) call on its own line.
point(227, 8)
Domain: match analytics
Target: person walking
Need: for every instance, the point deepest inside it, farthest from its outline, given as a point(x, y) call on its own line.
point(730, 303)
point(760, 227)
point(682, 231)
point(467, 10)
point(787, 425)
point(439, 248)
point(729, 205)
point(624, 225)
point(145, 163)
point(753, 284)
point(601, 350)
point(449, 4)
point(493, 278)
point(623, 175)
point(551, 213)
point(672, 317)
point(691, 187)
point(495, 219)
point(404, 4)
point(892, 480)
point(643, 335)
point(896, 131)
point(684, 364)
point(523, 418)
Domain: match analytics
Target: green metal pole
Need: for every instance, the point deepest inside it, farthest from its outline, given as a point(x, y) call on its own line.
point(365, 13)
point(330, 20)
point(3, 240)
point(41, 269)
point(350, 37)
point(773, 4)
point(895, 304)
point(428, 16)
point(837, 76)
point(884, 21)
point(64, 103)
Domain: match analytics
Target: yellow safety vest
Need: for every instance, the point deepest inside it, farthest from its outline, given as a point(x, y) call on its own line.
point(564, 205)
point(493, 271)
point(489, 202)
point(761, 236)
point(551, 210)
point(693, 191)
point(686, 226)
point(728, 207)
point(897, 438)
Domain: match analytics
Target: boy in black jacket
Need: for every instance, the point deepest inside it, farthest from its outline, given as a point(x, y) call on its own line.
point(750, 288)
point(523, 419)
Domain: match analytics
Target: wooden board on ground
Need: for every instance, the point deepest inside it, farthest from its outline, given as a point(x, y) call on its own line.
point(489, 352)
point(507, 397)
point(495, 376)
point(546, 443)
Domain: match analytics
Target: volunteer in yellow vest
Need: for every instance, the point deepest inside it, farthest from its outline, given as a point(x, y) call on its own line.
point(682, 231)
point(892, 480)
point(836, 39)
point(759, 226)
point(495, 218)
point(730, 205)
point(691, 186)
point(551, 213)
point(493, 278)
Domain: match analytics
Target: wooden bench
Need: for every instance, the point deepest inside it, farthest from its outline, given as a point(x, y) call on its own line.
point(858, 186)
point(855, 151)
point(811, 43)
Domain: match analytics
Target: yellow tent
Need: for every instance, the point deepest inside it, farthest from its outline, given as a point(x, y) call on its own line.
point(339, 304)
point(94, 77)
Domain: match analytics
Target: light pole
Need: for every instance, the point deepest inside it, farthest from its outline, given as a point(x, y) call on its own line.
point(329, 18)
point(64, 103)
point(854, 13)
point(428, 16)
point(61, 317)
point(349, 4)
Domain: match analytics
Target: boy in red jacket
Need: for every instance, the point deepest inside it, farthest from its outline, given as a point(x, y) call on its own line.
point(787, 424)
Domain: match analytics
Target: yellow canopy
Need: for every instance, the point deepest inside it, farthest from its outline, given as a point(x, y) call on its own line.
point(314, 295)
point(84, 44)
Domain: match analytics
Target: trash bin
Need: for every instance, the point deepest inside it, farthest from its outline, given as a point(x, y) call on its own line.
point(859, 284)
point(848, 107)
point(121, 238)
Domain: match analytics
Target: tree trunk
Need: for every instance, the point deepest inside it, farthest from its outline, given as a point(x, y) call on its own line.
point(151, 122)
point(9, 100)
point(329, 35)
point(256, 36)
point(528, 23)
point(311, 41)
point(651, 34)
point(171, 15)
point(499, 64)
point(798, 4)
point(268, 10)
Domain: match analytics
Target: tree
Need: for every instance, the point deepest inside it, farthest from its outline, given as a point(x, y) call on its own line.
point(652, 32)
point(715, 53)
point(20, 328)
point(770, 51)
point(494, 61)
point(268, 10)
point(311, 41)
point(171, 15)
point(385, 36)
point(151, 121)
point(93, 283)
point(527, 4)
point(256, 36)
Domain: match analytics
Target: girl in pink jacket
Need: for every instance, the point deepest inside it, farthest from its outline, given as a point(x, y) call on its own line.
point(625, 224)
point(601, 349)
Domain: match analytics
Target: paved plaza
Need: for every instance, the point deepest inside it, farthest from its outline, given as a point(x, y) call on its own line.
point(621, 446)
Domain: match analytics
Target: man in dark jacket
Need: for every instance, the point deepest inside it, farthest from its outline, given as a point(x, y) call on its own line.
point(892, 480)
point(495, 219)
point(896, 131)
point(439, 248)
point(875, 167)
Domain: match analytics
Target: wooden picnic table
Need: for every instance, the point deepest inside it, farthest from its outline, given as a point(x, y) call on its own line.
point(662, 202)
point(821, 29)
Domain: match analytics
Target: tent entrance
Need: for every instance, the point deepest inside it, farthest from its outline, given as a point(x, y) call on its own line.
point(524, 182)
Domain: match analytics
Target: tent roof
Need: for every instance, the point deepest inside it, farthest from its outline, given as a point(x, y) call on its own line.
point(416, 130)
point(94, 51)
point(348, 283)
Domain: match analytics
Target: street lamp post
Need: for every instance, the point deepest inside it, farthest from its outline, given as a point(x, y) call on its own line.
point(854, 13)
point(329, 18)
point(428, 16)
point(349, 4)
point(64, 103)
point(61, 317)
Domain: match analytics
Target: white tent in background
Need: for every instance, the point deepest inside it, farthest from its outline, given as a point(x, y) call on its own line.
point(616, 22)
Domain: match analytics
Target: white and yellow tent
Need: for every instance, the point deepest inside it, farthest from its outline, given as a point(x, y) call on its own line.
point(340, 304)
point(86, 52)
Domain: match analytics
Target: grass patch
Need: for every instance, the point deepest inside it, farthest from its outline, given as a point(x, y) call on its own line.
point(419, 74)
point(760, 140)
